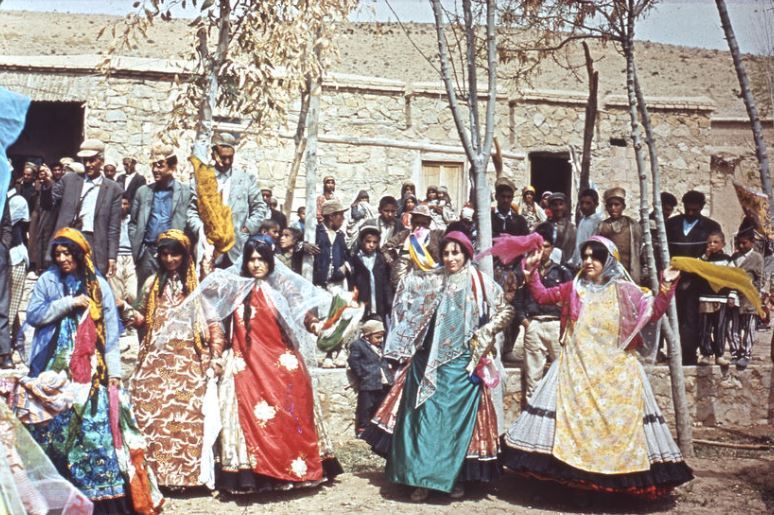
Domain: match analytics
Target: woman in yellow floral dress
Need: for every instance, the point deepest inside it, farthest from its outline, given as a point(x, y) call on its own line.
point(593, 421)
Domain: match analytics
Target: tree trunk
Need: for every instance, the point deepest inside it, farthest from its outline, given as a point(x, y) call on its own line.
point(682, 414)
point(589, 121)
point(477, 151)
point(310, 222)
point(749, 103)
point(300, 146)
point(669, 326)
point(205, 125)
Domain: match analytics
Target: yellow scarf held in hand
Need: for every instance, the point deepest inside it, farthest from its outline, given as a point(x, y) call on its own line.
point(215, 215)
point(720, 277)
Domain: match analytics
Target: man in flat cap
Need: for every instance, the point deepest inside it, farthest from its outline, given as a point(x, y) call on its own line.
point(622, 230)
point(157, 207)
point(329, 265)
point(130, 180)
point(329, 193)
point(239, 190)
point(564, 229)
point(90, 203)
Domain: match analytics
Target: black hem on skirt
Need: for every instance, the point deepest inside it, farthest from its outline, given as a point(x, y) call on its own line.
point(248, 482)
point(115, 506)
point(483, 471)
point(379, 440)
point(661, 476)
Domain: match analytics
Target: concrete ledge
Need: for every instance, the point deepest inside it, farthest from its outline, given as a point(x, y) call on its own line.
point(716, 396)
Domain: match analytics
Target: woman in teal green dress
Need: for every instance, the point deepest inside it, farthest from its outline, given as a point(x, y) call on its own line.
point(438, 426)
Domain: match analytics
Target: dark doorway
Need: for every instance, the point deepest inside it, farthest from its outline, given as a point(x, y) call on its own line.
point(52, 130)
point(550, 172)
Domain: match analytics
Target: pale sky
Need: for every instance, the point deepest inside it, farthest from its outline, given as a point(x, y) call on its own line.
point(679, 22)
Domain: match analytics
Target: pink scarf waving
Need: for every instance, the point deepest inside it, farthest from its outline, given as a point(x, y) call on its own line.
point(507, 248)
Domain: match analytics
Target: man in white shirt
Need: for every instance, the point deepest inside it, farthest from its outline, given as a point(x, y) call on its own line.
point(89, 203)
point(239, 190)
point(589, 220)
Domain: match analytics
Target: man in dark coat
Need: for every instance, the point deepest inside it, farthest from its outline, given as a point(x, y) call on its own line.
point(370, 275)
point(504, 219)
point(5, 290)
point(130, 180)
point(46, 221)
point(157, 207)
point(687, 236)
point(373, 375)
point(90, 203)
point(329, 266)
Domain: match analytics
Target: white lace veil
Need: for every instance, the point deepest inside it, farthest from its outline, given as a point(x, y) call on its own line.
point(224, 291)
point(29, 482)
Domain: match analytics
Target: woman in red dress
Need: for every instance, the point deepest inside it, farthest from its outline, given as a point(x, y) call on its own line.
point(272, 436)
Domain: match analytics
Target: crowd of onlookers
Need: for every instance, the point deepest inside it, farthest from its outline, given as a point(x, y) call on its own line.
point(370, 244)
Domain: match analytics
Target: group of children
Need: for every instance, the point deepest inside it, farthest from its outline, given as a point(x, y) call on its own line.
point(725, 316)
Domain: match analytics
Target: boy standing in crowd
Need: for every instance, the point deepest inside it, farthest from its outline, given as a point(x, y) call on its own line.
point(541, 321)
point(743, 319)
point(370, 275)
point(714, 307)
point(373, 374)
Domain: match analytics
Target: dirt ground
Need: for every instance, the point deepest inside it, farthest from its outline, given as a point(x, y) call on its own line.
point(723, 484)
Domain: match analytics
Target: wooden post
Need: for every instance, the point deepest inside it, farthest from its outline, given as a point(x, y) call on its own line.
point(310, 222)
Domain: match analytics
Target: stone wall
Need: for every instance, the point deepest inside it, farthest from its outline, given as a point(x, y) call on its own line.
point(375, 133)
point(715, 396)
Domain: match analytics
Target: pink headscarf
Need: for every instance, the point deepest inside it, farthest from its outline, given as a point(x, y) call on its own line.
point(460, 238)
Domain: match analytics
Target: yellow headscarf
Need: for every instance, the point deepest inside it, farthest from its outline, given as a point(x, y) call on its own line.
point(189, 280)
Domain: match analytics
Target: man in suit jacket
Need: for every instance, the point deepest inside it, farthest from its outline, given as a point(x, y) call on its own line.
point(157, 207)
point(130, 180)
point(90, 203)
point(687, 236)
point(240, 192)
